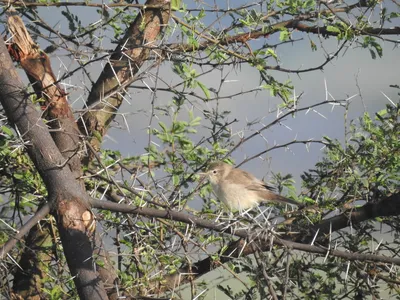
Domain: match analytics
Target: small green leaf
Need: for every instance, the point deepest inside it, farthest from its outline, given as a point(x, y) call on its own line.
point(284, 35)
point(333, 29)
point(175, 180)
point(175, 4)
point(204, 89)
point(18, 176)
point(163, 126)
point(272, 53)
point(195, 121)
point(7, 131)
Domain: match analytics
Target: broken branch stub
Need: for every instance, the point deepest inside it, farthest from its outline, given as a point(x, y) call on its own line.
point(37, 66)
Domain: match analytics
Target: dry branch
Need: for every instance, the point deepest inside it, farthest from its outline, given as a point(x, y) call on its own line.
point(37, 66)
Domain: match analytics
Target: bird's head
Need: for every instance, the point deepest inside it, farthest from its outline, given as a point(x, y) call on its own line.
point(216, 171)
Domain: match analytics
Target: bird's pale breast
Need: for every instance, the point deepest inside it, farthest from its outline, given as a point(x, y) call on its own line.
point(235, 196)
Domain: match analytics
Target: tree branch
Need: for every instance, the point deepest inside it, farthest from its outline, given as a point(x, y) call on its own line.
point(261, 236)
point(39, 215)
point(389, 206)
point(130, 54)
point(65, 193)
point(37, 66)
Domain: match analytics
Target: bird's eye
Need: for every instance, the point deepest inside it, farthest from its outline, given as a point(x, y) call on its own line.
point(214, 171)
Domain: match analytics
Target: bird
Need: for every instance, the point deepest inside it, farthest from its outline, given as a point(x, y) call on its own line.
point(240, 190)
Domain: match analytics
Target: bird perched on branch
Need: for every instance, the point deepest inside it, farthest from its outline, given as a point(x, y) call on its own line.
point(240, 190)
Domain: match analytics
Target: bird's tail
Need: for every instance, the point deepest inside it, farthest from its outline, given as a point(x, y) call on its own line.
point(281, 199)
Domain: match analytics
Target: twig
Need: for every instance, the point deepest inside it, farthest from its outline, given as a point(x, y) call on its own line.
point(38, 216)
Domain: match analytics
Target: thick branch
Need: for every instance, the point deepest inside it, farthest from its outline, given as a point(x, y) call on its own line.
point(65, 130)
point(39, 215)
point(37, 66)
point(258, 236)
point(386, 207)
point(389, 206)
point(125, 62)
point(65, 193)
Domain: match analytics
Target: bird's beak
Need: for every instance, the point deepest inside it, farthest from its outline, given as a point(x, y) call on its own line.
point(203, 175)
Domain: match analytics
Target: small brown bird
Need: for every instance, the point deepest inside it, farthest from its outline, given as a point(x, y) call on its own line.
point(240, 190)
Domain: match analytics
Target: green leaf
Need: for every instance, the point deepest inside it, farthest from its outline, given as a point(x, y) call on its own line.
point(333, 29)
point(18, 176)
point(382, 112)
point(373, 55)
point(7, 131)
point(204, 89)
point(195, 122)
point(163, 126)
point(284, 35)
point(175, 4)
point(175, 180)
point(272, 53)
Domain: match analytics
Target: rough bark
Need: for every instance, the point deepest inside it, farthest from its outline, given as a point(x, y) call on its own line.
point(28, 280)
point(69, 200)
point(37, 66)
point(133, 50)
point(57, 111)
point(138, 42)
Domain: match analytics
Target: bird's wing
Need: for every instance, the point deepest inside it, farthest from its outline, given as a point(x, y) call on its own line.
point(268, 194)
point(237, 174)
point(256, 185)
point(261, 186)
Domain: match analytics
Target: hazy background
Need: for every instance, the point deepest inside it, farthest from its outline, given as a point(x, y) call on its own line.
point(353, 72)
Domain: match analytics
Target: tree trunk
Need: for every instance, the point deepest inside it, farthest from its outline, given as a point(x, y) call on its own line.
point(70, 202)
